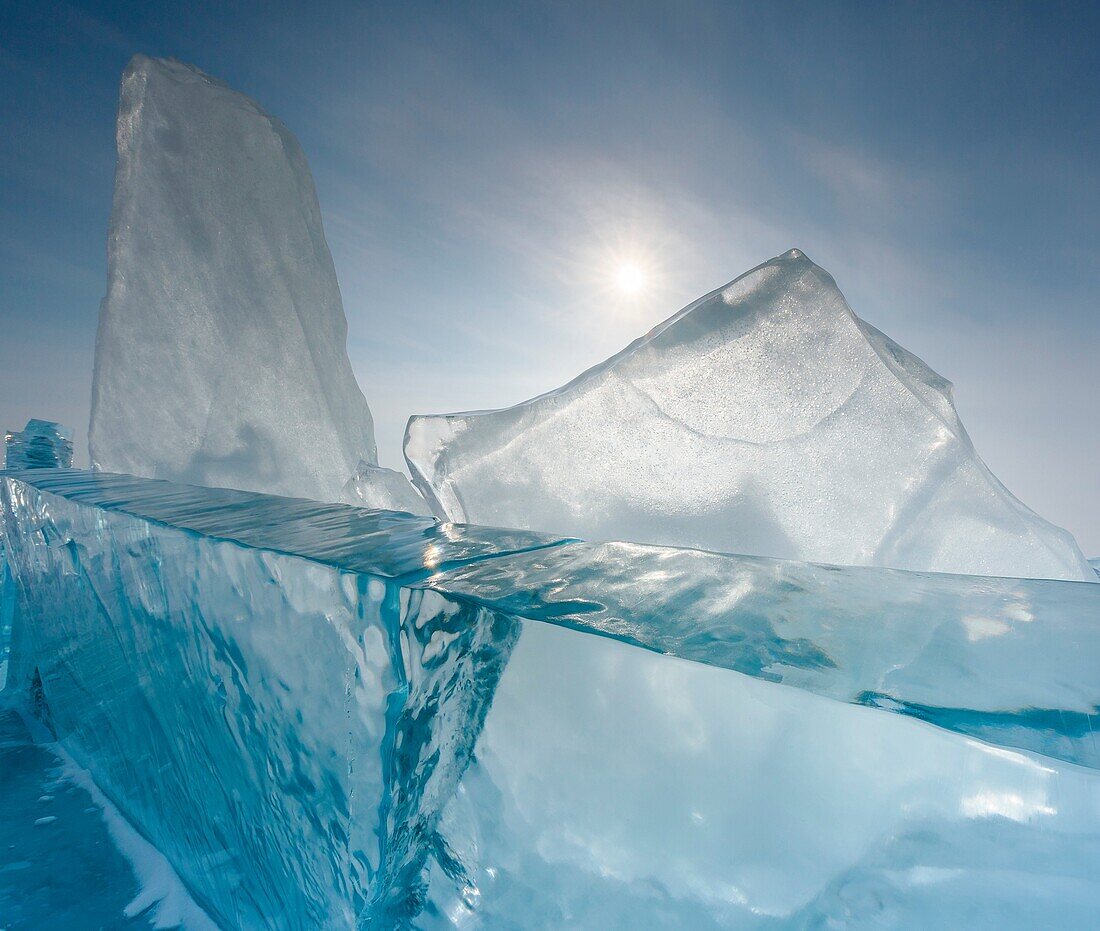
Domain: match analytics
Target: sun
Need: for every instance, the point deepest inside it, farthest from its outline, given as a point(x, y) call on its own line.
point(629, 278)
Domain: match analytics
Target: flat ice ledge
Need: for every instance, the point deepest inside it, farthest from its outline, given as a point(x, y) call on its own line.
point(1009, 660)
point(332, 717)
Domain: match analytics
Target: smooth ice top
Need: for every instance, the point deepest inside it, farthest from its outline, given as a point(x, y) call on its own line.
point(765, 418)
point(221, 355)
point(1008, 660)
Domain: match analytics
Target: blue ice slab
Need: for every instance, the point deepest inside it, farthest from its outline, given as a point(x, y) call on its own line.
point(272, 722)
point(1012, 661)
point(41, 444)
point(390, 544)
point(331, 717)
point(613, 787)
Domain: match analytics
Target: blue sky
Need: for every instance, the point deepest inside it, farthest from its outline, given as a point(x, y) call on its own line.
point(484, 169)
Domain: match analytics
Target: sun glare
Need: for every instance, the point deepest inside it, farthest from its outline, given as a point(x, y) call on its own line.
point(629, 279)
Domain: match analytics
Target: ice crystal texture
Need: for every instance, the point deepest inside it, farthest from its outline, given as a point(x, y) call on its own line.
point(492, 728)
point(374, 487)
point(221, 355)
point(765, 418)
point(41, 444)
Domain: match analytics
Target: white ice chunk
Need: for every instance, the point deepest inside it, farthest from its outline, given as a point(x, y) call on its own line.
point(221, 355)
point(374, 487)
point(765, 418)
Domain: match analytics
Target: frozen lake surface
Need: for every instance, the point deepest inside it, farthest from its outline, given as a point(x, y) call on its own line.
point(58, 865)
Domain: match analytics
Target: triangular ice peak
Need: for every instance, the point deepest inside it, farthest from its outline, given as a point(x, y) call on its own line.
point(764, 418)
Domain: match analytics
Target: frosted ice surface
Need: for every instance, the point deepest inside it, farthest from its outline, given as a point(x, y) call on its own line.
point(765, 418)
point(42, 444)
point(221, 354)
point(374, 487)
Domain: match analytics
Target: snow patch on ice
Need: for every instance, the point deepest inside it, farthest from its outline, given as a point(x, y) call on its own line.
point(162, 894)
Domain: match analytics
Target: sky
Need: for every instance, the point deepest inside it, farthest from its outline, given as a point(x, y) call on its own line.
point(485, 171)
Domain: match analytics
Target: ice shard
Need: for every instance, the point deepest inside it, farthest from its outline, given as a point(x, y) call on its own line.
point(221, 354)
point(765, 418)
point(374, 487)
point(41, 444)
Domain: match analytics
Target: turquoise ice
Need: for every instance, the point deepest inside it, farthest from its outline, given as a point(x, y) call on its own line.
point(41, 444)
point(330, 717)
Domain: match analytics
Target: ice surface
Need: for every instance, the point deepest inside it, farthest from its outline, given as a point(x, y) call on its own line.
point(68, 859)
point(221, 354)
point(42, 444)
point(475, 736)
point(950, 649)
point(374, 487)
point(765, 418)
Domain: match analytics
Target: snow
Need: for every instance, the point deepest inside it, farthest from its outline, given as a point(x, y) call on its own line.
point(68, 859)
point(765, 418)
point(161, 897)
point(221, 354)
